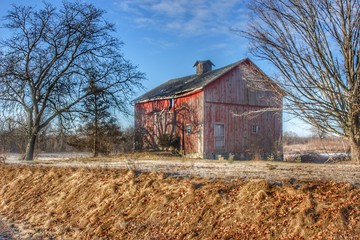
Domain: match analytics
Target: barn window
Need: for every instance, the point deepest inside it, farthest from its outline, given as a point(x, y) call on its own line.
point(219, 135)
point(188, 129)
point(255, 129)
point(171, 103)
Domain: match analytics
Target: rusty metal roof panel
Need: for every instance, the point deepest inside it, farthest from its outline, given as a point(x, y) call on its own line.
point(180, 86)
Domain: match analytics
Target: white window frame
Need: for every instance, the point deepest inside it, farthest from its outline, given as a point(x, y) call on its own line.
point(171, 103)
point(188, 129)
point(255, 129)
point(218, 138)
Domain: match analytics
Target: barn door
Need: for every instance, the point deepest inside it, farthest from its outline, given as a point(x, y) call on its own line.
point(219, 135)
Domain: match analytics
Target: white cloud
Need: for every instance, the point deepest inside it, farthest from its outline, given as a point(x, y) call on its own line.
point(169, 8)
point(185, 17)
point(164, 44)
point(219, 46)
point(143, 22)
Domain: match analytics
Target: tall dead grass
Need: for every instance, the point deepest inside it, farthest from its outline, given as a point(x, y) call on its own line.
point(84, 203)
point(326, 145)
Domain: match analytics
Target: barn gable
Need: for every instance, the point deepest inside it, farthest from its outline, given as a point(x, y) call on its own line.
point(242, 111)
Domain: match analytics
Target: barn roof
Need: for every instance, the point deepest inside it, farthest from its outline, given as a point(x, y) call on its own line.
point(182, 86)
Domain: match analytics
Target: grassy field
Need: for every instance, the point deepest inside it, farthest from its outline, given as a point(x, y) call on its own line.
point(107, 200)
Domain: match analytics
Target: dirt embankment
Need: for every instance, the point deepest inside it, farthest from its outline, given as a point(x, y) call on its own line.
point(93, 203)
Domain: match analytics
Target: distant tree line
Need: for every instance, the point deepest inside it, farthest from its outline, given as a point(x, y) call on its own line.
point(315, 137)
point(114, 140)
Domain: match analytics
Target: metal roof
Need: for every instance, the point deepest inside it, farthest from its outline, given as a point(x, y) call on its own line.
point(181, 86)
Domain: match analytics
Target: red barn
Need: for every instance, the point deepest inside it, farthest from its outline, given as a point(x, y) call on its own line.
point(232, 112)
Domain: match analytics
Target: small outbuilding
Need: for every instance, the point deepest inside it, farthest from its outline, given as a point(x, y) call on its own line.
point(230, 112)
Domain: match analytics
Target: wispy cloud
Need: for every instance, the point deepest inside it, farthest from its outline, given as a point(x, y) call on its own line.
point(169, 8)
point(185, 17)
point(219, 46)
point(159, 42)
point(143, 22)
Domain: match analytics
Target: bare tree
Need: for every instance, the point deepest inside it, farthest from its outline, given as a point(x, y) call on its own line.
point(47, 63)
point(164, 126)
point(315, 46)
point(100, 131)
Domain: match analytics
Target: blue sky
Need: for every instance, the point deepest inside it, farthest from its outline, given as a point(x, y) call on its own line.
point(165, 38)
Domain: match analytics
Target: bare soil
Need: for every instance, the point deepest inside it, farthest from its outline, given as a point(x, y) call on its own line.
point(129, 197)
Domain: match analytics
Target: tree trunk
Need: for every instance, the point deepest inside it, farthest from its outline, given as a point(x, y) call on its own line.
point(95, 147)
point(355, 151)
point(95, 144)
point(96, 123)
point(30, 148)
point(355, 132)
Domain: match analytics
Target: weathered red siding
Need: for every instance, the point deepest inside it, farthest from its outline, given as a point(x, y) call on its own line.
point(154, 119)
point(230, 101)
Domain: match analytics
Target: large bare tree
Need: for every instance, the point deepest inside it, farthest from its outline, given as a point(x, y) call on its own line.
point(52, 54)
point(315, 46)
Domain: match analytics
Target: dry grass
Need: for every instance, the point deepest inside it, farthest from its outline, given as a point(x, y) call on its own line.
point(328, 150)
point(98, 203)
point(330, 145)
point(155, 155)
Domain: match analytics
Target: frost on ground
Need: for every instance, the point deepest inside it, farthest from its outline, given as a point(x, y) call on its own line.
point(176, 166)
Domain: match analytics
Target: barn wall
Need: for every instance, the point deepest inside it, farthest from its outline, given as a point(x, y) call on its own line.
point(230, 96)
point(155, 119)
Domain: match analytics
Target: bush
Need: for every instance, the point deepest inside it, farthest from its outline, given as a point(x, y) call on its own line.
point(167, 141)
